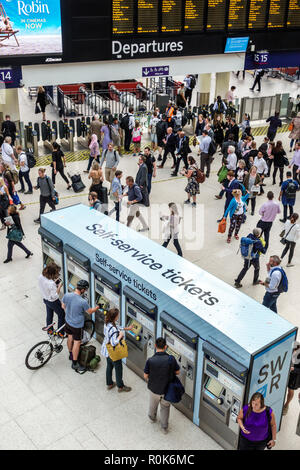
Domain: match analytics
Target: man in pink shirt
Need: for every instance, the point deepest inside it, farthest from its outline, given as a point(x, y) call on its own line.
point(229, 97)
point(268, 212)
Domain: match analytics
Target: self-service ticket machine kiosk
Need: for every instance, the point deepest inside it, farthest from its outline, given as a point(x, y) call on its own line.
point(107, 294)
point(222, 395)
point(77, 267)
point(182, 344)
point(52, 248)
point(141, 314)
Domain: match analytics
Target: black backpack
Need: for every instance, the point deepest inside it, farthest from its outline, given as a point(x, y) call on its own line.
point(124, 123)
point(212, 148)
point(31, 160)
point(291, 189)
point(192, 82)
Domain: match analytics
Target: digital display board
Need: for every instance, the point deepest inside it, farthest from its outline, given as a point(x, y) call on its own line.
point(237, 14)
point(194, 15)
point(293, 20)
point(171, 16)
point(147, 16)
point(30, 28)
point(122, 16)
point(257, 14)
point(216, 12)
point(277, 11)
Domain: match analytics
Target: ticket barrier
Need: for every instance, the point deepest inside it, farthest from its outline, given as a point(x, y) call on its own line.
point(107, 295)
point(182, 344)
point(47, 135)
point(141, 314)
point(222, 396)
point(77, 267)
point(66, 134)
point(83, 132)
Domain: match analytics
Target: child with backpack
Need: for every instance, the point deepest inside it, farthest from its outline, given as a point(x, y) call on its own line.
point(137, 138)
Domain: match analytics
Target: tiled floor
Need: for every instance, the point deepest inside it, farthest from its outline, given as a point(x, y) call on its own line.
point(54, 408)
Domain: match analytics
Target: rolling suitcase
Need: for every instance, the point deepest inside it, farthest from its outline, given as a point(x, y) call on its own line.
point(77, 183)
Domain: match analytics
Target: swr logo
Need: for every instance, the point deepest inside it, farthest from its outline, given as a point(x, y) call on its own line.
point(272, 368)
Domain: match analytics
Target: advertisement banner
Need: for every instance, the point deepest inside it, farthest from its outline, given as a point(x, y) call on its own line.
point(30, 27)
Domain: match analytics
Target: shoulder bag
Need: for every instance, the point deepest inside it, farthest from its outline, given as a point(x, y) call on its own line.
point(15, 234)
point(119, 351)
point(283, 239)
point(175, 389)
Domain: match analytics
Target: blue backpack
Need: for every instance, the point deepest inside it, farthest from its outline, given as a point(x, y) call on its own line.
point(284, 284)
point(246, 247)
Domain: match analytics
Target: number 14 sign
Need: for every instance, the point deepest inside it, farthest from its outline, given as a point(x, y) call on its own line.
point(11, 77)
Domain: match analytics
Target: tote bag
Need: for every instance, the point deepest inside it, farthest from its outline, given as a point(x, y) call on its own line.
point(222, 226)
point(117, 352)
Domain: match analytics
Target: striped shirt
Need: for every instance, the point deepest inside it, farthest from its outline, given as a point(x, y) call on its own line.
point(111, 334)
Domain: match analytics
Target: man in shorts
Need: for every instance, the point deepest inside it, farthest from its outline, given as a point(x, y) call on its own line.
point(75, 307)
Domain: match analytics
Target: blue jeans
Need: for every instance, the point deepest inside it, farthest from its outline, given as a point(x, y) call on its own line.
point(270, 301)
point(149, 185)
point(56, 307)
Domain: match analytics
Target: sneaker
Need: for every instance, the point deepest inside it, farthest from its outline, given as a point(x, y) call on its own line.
point(28, 192)
point(143, 229)
point(238, 285)
point(78, 368)
point(124, 389)
point(218, 197)
point(85, 171)
point(28, 256)
point(8, 260)
point(173, 174)
point(164, 430)
point(187, 201)
point(21, 191)
point(282, 220)
point(256, 283)
point(110, 387)
point(194, 204)
point(290, 265)
point(153, 420)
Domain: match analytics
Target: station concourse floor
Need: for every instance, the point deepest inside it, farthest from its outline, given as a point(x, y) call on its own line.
point(55, 408)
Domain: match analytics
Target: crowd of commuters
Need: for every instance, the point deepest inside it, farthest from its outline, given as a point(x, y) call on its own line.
point(244, 168)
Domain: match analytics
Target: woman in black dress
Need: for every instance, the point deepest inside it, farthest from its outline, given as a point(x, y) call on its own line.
point(219, 131)
point(16, 227)
point(58, 164)
point(278, 153)
point(42, 101)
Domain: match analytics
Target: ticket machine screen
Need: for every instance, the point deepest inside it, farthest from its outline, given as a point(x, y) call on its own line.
point(103, 302)
point(214, 387)
point(137, 327)
point(173, 353)
point(47, 260)
point(73, 280)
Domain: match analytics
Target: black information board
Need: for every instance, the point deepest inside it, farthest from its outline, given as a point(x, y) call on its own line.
point(147, 16)
point(293, 20)
point(194, 15)
point(277, 11)
point(257, 14)
point(122, 16)
point(216, 12)
point(237, 14)
point(171, 16)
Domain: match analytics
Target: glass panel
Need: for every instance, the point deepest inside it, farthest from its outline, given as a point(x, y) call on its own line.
point(266, 107)
point(256, 109)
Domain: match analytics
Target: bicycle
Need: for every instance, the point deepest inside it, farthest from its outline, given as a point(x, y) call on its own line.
point(42, 352)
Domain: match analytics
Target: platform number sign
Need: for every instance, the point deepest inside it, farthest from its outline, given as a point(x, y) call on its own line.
point(11, 77)
point(261, 58)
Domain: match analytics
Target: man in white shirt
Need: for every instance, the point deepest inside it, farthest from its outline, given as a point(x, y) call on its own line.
point(24, 171)
point(229, 97)
point(205, 159)
point(231, 158)
point(262, 168)
point(128, 130)
point(8, 153)
point(272, 283)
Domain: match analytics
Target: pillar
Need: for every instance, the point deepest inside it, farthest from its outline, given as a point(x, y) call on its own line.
point(222, 84)
point(203, 88)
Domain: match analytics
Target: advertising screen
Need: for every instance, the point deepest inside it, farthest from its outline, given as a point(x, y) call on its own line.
point(30, 27)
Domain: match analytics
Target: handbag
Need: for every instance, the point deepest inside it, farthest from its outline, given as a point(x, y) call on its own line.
point(16, 199)
point(4, 201)
point(291, 126)
point(15, 234)
point(37, 108)
point(283, 239)
point(222, 226)
point(175, 389)
point(120, 351)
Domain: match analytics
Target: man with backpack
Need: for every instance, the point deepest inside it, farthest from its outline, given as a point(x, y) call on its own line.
point(24, 170)
point(112, 159)
point(127, 124)
point(219, 107)
point(287, 195)
point(275, 284)
point(47, 192)
point(135, 199)
point(205, 157)
point(251, 247)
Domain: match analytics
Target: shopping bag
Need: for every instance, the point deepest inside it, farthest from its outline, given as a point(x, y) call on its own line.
point(117, 352)
point(222, 174)
point(37, 109)
point(222, 226)
point(16, 199)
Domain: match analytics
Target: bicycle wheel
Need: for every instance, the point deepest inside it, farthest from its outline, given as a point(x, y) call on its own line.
point(88, 331)
point(39, 355)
